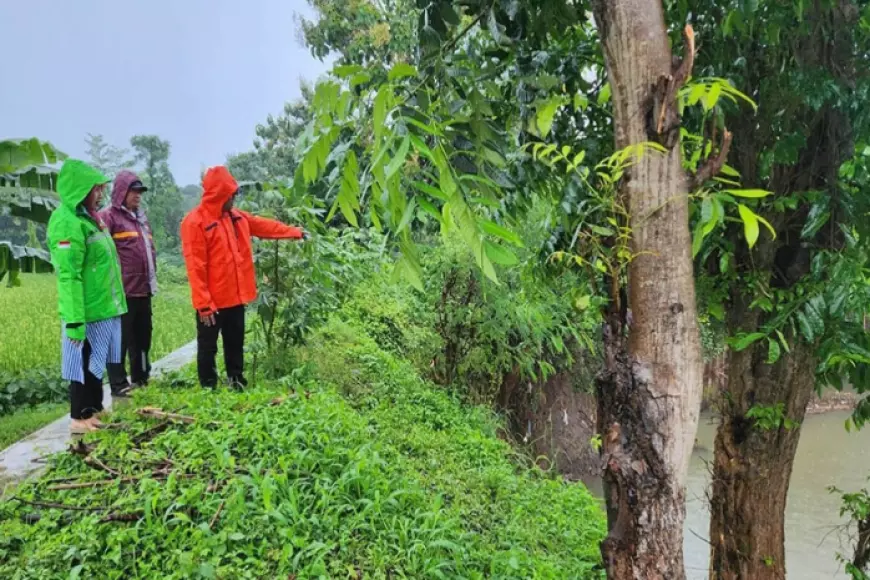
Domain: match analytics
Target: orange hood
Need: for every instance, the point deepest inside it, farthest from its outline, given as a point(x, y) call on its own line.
point(218, 185)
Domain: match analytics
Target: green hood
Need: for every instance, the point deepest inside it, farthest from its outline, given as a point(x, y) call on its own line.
point(76, 180)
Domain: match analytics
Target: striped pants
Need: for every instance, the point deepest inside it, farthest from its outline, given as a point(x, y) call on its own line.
point(83, 365)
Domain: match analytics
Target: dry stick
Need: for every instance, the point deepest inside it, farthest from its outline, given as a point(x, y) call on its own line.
point(80, 448)
point(217, 514)
point(123, 517)
point(161, 414)
point(89, 484)
point(156, 430)
point(62, 479)
point(58, 506)
point(97, 464)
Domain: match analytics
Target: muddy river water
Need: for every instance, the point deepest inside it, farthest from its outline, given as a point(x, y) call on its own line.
point(827, 455)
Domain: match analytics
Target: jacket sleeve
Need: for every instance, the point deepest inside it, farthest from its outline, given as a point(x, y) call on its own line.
point(150, 241)
point(68, 253)
point(106, 216)
point(193, 246)
point(271, 229)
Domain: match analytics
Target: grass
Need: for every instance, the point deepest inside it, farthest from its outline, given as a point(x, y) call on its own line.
point(28, 316)
point(358, 469)
point(28, 313)
point(25, 421)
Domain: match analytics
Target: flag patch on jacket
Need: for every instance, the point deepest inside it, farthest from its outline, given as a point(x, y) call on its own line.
point(63, 245)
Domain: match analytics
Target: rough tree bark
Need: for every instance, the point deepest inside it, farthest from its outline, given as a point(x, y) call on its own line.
point(650, 391)
point(752, 465)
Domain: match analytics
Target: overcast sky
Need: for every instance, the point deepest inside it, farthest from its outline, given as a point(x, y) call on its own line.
point(199, 73)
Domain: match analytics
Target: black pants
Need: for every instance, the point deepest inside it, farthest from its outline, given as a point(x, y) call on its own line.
point(136, 330)
point(86, 399)
point(230, 323)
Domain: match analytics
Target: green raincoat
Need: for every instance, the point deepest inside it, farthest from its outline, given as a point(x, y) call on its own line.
point(83, 253)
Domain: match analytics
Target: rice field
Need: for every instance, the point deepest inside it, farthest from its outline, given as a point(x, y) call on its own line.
point(30, 326)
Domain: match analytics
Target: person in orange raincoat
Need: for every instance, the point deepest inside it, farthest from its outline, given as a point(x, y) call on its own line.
point(216, 242)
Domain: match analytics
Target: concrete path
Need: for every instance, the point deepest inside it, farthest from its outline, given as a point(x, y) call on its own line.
point(23, 458)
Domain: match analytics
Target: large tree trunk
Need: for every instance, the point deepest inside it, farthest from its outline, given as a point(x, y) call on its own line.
point(754, 459)
point(649, 394)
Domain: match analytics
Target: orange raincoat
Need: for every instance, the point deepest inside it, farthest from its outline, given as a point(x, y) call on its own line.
point(217, 246)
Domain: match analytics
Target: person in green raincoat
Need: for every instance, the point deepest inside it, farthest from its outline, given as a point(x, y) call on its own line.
point(90, 291)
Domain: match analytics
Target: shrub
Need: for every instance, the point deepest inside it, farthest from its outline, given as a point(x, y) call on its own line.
point(30, 388)
point(530, 325)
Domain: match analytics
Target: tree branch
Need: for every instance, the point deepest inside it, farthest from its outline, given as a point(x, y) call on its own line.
point(156, 413)
point(58, 506)
point(711, 165)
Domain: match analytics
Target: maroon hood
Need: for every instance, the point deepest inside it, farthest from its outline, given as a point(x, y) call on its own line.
point(121, 186)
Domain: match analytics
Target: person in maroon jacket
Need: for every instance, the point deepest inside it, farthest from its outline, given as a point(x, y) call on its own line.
point(128, 225)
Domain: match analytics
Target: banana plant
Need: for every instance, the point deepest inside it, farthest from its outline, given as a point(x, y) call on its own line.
point(28, 175)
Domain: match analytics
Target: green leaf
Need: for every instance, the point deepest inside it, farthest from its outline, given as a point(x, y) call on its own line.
point(580, 101)
point(767, 225)
point(773, 351)
point(602, 231)
point(359, 79)
point(496, 29)
point(494, 157)
point(428, 189)
point(379, 116)
point(717, 311)
point(430, 129)
point(604, 95)
point(837, 303)
point(750, 224)
point(730, 171)
point(421, 148)
point(448, 14)
point(712, 96)
point(748, 193)
point(398, 161)
point(407, 215)
point(486, 266)
point(402, 70)
point(206, 570)
point(783, 341)
point(347, 211)
point(742, 342)
point(546, 114)
point(818, 216)
point(583, 302)
point(346, 71)
point(716, 212)
point(500, 255)
point(814, 309)
point(694, 95)
point(805, 326)
point(697, 239)
point(428, 207)
point(501, 232)
point(409, 270)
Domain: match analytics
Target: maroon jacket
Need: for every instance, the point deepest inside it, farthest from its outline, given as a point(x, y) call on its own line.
point(132, 236)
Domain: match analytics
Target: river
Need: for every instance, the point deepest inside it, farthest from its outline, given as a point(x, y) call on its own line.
point(827, 455)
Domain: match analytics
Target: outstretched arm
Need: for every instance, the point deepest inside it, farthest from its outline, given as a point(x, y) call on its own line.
point(271, 229)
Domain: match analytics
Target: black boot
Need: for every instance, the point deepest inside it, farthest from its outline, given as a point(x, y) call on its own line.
point(238, 383)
